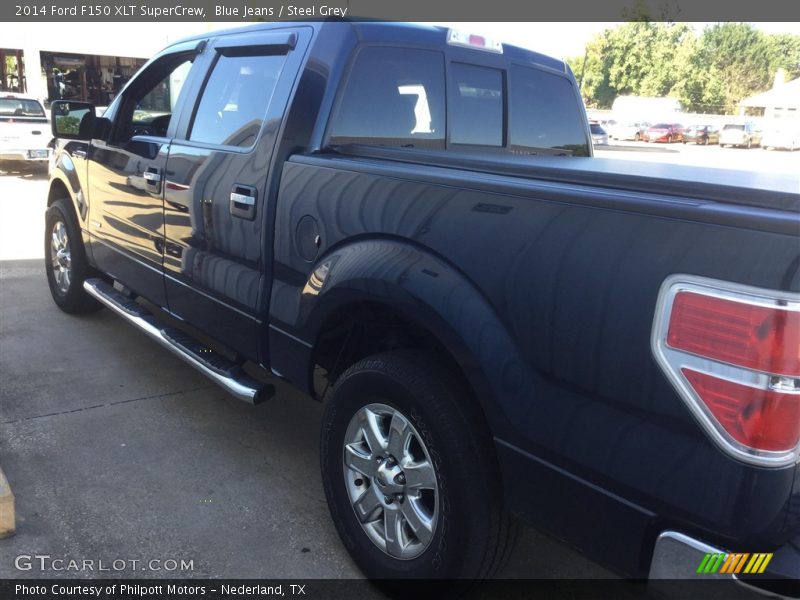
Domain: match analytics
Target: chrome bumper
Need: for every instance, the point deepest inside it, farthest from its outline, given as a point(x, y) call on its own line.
point(677, 556)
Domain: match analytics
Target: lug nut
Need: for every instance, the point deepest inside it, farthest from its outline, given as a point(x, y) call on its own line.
point(359, 482)
point(401, 479)
point(388, 499)
point(379, 459)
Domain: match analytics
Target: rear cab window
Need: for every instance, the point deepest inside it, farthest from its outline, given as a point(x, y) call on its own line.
point(20, 107)
point(422, 99)
point(545, 115)
point(478, 105)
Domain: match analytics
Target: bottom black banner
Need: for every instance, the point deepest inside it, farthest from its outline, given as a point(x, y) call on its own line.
point(351, 589)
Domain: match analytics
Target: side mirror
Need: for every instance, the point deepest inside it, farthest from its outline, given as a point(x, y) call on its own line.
point(72, 120)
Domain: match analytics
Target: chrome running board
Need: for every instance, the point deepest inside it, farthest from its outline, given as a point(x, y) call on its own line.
point(222, 371)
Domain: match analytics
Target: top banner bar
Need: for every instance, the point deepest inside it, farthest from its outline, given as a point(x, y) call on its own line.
point(245, 11)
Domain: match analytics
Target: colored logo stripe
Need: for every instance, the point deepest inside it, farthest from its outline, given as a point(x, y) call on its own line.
point(734, 563)
point(711, 563)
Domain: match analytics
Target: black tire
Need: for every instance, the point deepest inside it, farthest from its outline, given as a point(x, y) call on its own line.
point(68, 296)
point(473, 535)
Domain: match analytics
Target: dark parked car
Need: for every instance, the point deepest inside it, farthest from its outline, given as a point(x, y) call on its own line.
point(701, 135)
point(664, 132)
point(498, 323)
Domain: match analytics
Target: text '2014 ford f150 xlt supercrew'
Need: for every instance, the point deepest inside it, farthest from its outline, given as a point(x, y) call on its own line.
point(408, 223)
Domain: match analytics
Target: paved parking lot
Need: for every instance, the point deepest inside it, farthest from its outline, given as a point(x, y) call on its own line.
point(117, 450)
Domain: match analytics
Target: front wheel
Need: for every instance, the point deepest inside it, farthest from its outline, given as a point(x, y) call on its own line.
point(409, 475)
point(65, 261)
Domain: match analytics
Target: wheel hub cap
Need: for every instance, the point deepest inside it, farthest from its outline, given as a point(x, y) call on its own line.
point(390, 476)
point(61, 257)
point(391, 481)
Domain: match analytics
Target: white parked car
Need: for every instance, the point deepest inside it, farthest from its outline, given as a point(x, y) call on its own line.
point(786, 137)
point(740, 134)
point(628, 131)
point(599, 135)
point(24, 130)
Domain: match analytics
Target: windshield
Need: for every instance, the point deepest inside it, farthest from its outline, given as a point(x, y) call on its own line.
point(19, 107)
point(662, 126)
point(733, 126)
point(597, 129)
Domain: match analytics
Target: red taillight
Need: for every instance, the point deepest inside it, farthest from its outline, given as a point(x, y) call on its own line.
point(756, 337)
point(761, 419)
point(733, 354)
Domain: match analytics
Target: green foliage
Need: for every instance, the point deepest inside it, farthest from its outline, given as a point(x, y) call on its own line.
point(67, 125)
point(710, 73)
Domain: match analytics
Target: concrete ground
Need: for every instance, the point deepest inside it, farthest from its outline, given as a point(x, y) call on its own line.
point(117, 450)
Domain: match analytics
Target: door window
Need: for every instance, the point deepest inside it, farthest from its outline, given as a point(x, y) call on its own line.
point(148, 104)
point(235, 99)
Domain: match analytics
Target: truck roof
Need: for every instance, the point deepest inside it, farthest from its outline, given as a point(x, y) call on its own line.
point(382, 31)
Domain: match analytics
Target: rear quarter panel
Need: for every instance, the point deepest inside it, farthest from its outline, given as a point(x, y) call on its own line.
point(573, 275)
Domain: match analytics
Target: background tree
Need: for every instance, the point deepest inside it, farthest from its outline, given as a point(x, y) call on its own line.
point(708, 73)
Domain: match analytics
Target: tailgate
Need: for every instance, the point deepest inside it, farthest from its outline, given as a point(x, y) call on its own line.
point(24, 134)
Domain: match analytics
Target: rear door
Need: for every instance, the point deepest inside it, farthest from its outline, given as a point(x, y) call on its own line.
point(218, 254)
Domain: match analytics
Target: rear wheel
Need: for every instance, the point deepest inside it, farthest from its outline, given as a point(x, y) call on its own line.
point(409, 475)
point(65, 260)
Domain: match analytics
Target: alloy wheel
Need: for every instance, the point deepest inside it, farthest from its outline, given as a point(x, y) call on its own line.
point(391, 481)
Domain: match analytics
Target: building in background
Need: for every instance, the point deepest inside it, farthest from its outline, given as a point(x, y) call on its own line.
point(781, 102)
point(82, 61)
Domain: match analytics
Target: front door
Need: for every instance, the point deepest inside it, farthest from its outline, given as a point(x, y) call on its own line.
point(126, 175)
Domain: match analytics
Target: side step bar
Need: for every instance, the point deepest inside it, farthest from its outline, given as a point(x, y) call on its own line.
point(216, 367)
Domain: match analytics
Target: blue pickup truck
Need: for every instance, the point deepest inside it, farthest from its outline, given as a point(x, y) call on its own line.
point(408, 223)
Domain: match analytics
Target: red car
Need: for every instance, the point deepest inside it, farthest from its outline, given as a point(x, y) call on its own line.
point(664, 132)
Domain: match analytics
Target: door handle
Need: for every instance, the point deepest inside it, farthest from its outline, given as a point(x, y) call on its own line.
point(152, 179)
point(243, 201)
